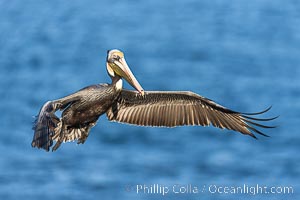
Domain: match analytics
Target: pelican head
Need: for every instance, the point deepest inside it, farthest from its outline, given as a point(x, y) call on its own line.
point(117, 67)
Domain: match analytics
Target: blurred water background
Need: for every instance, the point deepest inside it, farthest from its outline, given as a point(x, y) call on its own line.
point(243, 54)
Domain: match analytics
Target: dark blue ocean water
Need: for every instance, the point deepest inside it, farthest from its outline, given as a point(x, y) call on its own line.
point(243, 54)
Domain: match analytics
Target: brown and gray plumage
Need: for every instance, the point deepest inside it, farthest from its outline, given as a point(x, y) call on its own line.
point(170, 109)
point(82, 109)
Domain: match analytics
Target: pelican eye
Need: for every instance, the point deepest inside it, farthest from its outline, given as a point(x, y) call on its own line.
point(117, 57)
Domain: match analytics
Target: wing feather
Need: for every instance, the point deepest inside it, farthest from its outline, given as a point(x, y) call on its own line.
point(169, 109)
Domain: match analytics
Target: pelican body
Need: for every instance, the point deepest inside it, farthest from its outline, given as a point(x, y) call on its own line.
point(81, 110)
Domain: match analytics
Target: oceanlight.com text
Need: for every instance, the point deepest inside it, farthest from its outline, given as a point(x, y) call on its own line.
point(161, 189)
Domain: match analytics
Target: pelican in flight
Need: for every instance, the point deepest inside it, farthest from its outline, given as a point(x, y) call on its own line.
point(81, 110)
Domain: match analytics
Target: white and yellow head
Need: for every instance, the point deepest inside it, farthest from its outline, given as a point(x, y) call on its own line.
point(117, 67)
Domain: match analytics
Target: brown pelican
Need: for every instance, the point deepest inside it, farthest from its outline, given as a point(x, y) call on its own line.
point(81, 110)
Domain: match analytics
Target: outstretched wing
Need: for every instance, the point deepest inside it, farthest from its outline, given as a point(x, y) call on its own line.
point(44, 126)
point(49, 128)
point(169, 109)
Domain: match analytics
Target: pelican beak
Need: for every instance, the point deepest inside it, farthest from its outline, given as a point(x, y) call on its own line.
point(121, 68)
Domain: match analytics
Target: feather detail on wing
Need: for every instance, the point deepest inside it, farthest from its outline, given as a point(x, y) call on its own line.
point(44, 127)
point(170, 109)
point(48, 128)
